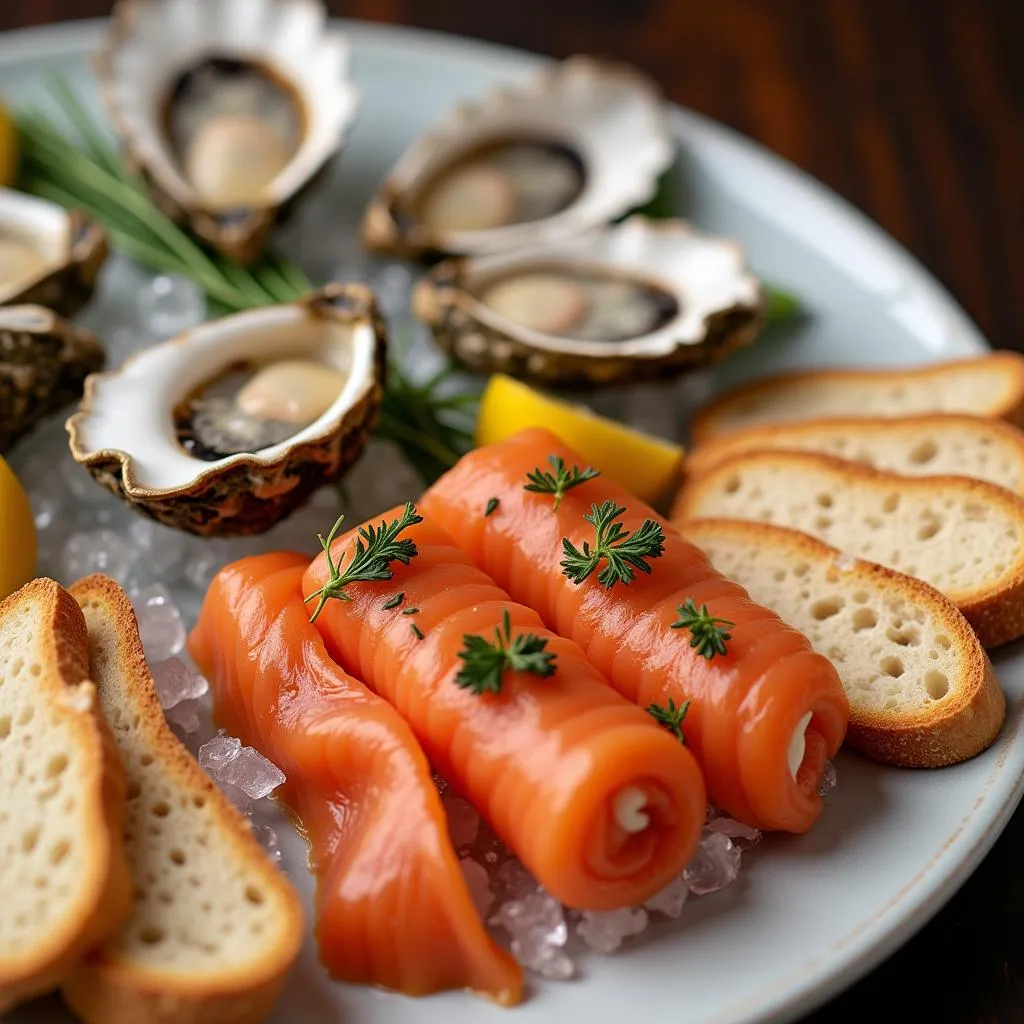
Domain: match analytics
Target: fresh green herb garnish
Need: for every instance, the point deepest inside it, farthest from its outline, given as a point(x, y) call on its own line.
point(780, 305)
point(394, 602)
point(707, 633)
point(671, 717)
point(557, 483)
point(624, 552)
point(376, 549)
point(411, 611)
point(416, 631)
point(492, 504)
point(485, 663)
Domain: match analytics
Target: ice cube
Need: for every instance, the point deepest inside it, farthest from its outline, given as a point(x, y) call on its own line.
point(733, 829)
point(175, 681)
point(79, 481)
point(161, 548)
point(202, 564)
point(714, 866)
point(478, 884)
point(238, 797)
point(605, 932)
point(829, 779)
point(513, 881)
point(96, 551)
point(536, 924)
point(252, 773)
point(216, 754)
point(267, 838)
point(185, 717)
point(170, 304)
point(463, 820)
point(163, 631)
point(671, 899)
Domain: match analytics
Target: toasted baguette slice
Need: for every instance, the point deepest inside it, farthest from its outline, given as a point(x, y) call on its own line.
point(964, 537)
point(215, 927)
point(922, 690)
point(935, 444)
point(990, 385)
point(63, 876)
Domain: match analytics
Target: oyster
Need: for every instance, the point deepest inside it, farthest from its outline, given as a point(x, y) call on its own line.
point(639, 300)
point(229, 108)
point(230, 427)
point(48, 255)
point(571, 148)
point(44, 362)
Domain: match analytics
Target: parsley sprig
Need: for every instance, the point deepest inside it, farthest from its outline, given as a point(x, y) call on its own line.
point(623, 552)
point(707, 634)
point(559, 482)
point(484, 663)
point(376, 549)
point(671, 717)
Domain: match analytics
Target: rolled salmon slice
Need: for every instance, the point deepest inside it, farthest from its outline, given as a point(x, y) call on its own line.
point(392, 906)
point(602, 805)
point(763, 718)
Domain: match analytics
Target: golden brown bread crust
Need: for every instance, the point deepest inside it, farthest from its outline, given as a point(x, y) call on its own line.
point(106, 989)
point(104, 902)
point(944, 733)
point(996, 613)
point(705, 423)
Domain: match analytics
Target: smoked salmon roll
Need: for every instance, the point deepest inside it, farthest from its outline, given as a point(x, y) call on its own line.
point(602, 805)
point(392, 906)
point(763, 711)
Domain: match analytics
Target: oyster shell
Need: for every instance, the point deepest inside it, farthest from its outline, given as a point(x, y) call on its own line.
point(217, 432)
point(229, 108)
point(571, 148)
point(48, 255)
point(44, 361)
point(643, 299)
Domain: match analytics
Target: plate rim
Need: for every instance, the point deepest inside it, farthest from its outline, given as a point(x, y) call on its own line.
point(837, 968)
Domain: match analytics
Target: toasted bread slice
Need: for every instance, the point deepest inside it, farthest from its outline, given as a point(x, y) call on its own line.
point(990, 385)
point(964, 537)
point(934, 444)
point(922, 690)
point(215, 927)
point(63, 874)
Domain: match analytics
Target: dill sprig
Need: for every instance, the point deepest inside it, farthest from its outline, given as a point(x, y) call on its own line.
point(707, 634)
point(376, 548)
point(70, 160)
point(393, 602)
point(491, 507)
point(484, 663)
point(623, 552)
point(559, 482)
point(671, 717)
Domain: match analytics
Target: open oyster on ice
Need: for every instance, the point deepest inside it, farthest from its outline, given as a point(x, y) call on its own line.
point(231, 426)
point(48, 255)
point(229, 108)
point(44, 361)
point(571, 148)
point(635, 301)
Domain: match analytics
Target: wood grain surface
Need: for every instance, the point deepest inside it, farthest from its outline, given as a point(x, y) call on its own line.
point(914, 111)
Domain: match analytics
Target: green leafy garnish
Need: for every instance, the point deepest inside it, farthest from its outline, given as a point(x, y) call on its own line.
point(376, 549)
point(624, 552)
point(411, 611)
point(671, 717)
point(492, 504)
point(485, 663)
point(394, 602)
point(780, 305)
point(417, 632)
point(707, 634)
point(557, 483)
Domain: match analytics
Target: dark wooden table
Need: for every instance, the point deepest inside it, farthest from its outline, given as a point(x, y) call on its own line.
point(914, 111)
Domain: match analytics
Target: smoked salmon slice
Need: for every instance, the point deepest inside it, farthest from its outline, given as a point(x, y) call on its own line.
point(392, 906)
point(602, 805)
point(763, 717)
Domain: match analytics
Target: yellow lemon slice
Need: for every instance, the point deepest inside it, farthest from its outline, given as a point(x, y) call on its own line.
point(9, 149)
point(646, 466)
point(17, 534)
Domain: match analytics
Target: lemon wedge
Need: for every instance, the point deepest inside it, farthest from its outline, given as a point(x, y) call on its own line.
point(646, 466)
point(17, 534)
point(9, 149)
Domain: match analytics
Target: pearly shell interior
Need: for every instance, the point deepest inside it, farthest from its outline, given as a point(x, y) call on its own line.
point(21, 262)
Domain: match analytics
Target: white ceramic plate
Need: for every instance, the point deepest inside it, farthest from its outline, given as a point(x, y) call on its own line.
point(811, 914)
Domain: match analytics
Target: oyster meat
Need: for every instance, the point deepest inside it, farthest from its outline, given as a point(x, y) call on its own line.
point(569, 149)
point(230, 108)
point(44, 361)
point(639, 300)
point(229, 428)
point(48, 255)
